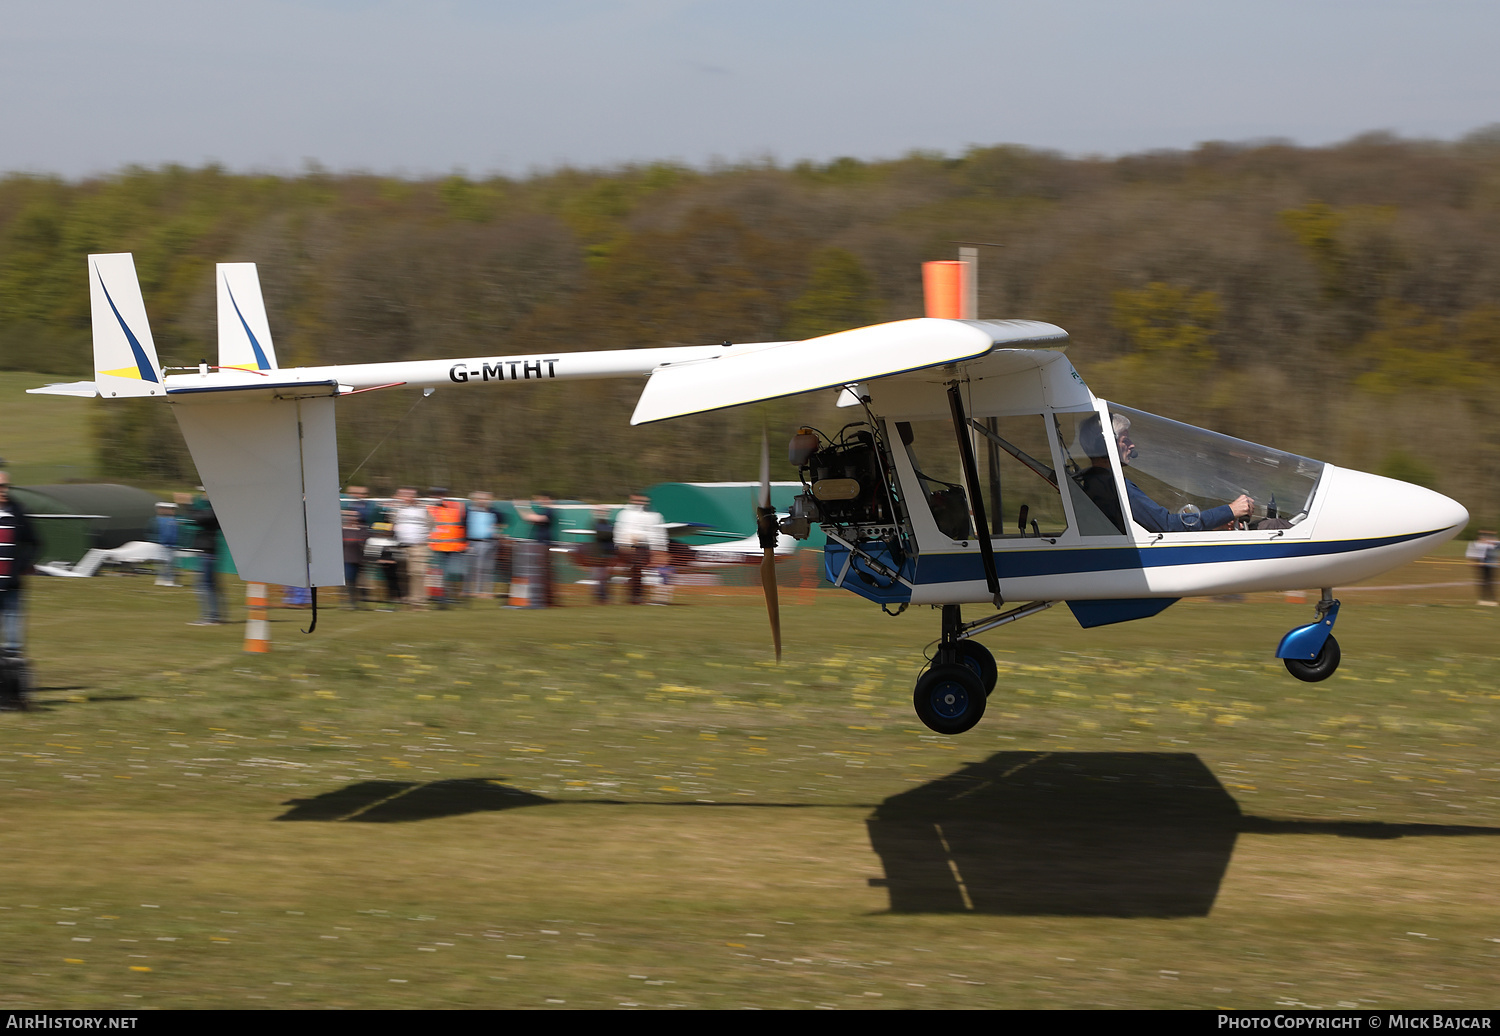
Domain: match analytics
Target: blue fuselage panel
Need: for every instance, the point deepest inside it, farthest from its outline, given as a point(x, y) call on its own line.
point(858, 576)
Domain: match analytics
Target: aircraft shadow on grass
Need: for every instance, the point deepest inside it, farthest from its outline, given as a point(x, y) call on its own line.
point(387, 802)
point(1088, 834)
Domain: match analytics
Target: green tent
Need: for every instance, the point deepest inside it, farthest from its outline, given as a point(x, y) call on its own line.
point(727, 507)
point(125, 514)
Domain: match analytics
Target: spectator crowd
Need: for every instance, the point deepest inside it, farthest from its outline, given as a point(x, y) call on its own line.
point(439, 551)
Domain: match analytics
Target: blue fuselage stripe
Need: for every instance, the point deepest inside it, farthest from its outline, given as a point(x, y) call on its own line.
point(1021, 564)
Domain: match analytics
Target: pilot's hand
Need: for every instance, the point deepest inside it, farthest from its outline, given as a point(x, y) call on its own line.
point(1242, 506)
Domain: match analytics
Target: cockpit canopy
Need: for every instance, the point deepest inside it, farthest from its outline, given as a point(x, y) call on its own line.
point(1178, 465)
point(1177, 477)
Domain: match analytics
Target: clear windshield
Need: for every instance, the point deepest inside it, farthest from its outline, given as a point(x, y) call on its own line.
point(1181, 467)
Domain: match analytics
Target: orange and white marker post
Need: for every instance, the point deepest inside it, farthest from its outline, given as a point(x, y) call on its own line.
point(951, 288)
point(943, 288)
point(257, 629)
point(520, 591)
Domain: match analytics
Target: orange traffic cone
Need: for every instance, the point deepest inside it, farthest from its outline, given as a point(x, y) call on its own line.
point(257, 629)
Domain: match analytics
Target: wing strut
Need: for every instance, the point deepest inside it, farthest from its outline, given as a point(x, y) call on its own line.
point(976, 498)
point(1047, 474)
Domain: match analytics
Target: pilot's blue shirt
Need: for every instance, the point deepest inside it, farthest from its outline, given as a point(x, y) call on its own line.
point(1153, 517)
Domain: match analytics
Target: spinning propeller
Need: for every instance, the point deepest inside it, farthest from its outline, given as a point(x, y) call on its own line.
point(765, 528)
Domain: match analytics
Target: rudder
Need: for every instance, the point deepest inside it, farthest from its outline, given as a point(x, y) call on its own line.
point(125, 362)
point(244, 331)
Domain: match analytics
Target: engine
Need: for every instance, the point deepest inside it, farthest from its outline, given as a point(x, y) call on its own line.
point(844, 485)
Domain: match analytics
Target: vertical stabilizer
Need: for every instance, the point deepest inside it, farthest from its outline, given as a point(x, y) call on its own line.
point(244, 333)
point(270, 467)
point(125, 361)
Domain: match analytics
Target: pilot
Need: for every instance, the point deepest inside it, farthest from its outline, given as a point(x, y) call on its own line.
point(1098, 483)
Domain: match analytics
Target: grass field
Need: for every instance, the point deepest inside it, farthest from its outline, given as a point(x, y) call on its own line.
point(601, 807)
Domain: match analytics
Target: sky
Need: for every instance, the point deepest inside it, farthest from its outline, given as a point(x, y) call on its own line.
point(430, 87)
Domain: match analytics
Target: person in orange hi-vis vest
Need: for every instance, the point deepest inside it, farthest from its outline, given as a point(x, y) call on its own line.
point(448, 541)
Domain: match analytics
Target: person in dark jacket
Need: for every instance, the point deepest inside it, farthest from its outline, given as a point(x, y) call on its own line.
point(356, 535)
point(18, 547)
point(543, 526)
point(602, 556)
point(206, 543)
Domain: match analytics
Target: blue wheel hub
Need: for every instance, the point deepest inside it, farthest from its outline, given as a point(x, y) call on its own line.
point(949, 699)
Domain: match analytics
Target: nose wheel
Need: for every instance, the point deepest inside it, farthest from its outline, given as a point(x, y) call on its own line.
point(1310, 652)
point(1320, 668)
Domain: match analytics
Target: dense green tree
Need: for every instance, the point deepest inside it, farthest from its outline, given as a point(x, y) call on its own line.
point(839, 295)
point(1337, 301)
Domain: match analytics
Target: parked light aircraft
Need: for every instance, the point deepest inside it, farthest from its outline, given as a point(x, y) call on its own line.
point(731, 553)
point(978, 470)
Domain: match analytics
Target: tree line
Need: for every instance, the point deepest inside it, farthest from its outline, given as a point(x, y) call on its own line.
point(1342, 302)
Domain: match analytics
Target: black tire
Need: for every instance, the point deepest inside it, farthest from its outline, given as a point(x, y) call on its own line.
point(978, 658)
point(1320, 668)
point(949, 698)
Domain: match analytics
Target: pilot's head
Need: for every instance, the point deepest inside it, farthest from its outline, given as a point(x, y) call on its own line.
point(1091, 439)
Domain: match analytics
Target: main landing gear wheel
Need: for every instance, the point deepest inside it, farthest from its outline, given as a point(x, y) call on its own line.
point(949, 698)
point(979, 660)
point(1320, 668)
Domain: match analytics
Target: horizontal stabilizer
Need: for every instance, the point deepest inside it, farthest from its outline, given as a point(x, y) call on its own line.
point(244, 332)
point(67, 388)
point(270, 467)
point(125, 362)
point(863, 354)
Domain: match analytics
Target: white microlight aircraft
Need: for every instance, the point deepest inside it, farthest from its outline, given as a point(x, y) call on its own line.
point(980, 469)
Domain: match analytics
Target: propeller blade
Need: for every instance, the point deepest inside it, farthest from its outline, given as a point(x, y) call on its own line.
point(765, 528)
point(773, 604)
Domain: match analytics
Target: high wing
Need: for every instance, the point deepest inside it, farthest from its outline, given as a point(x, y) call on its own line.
point(861, 355)
point(263, 437)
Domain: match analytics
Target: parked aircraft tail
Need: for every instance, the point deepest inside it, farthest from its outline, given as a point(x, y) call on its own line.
point(125, 362)
point(244, 332)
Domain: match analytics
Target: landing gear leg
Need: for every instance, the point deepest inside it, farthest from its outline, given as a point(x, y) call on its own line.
point(1310, 652)
point(950, 695)
point(955, 647)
